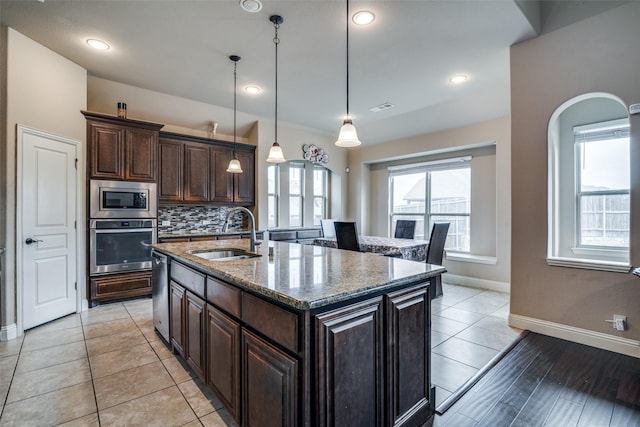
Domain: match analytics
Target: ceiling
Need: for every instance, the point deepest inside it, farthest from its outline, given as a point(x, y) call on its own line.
point(404, 57)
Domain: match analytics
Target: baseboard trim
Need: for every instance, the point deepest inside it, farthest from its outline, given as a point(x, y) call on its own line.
point(582, 336)
point(490, 285)
point(8, 332)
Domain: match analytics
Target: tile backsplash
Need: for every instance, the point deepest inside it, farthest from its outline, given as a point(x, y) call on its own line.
point(193, 218)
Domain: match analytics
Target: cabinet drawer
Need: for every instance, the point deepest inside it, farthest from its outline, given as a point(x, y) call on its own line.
point(277, 323)
point(120, 286)
point(225, 296)
point(188, 278)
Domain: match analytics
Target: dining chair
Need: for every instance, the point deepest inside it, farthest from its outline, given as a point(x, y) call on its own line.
point(347, 235)
point(435, 252)
point(405, 229)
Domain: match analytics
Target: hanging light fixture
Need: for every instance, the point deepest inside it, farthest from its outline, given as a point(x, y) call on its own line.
point(234, 164)
point(275, 153)
point(348, 137)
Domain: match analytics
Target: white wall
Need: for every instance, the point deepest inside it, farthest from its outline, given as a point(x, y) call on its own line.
point(44, 91)
point(368, 192)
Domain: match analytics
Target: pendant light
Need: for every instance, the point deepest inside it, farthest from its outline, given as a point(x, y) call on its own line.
point(348, 137)
point(234, 164)
point(275, 153)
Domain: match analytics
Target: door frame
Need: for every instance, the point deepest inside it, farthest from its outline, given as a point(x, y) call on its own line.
point(22, 130)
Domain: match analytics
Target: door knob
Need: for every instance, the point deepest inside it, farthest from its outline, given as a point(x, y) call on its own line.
point(30, 241)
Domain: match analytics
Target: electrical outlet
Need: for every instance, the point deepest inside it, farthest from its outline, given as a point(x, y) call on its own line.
point(166, 223)
point(619, 322)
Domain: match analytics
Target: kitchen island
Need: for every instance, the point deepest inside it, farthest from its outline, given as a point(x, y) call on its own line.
point(309, 336)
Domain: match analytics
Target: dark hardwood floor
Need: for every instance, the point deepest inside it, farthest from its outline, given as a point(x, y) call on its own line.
point(546, 381)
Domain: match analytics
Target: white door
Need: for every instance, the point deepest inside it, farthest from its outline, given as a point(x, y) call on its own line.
point(47, 233)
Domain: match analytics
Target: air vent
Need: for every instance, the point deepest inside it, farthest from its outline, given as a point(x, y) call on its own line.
point(381, 107)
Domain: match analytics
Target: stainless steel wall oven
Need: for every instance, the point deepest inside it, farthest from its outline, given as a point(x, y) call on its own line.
point(117, 245)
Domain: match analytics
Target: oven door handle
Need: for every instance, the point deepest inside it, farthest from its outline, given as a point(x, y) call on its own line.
point(122, 230)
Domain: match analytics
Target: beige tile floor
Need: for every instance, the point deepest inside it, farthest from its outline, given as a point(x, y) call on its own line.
point(469, 327)
point(107, 366)
point(104, 367)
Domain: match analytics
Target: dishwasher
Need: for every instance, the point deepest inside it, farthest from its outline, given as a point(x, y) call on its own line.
point(160, 293)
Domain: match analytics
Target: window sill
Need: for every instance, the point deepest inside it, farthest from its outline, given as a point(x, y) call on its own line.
point(465, 257)
point(588, 264)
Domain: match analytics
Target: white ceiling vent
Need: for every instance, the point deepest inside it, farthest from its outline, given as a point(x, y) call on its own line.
point(381, 107)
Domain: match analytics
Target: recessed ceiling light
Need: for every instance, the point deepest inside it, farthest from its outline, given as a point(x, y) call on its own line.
point(363, 17)
point(252, 89)
point(251, 6)
point(98, 44)
point(382, 107)
point(458, 78)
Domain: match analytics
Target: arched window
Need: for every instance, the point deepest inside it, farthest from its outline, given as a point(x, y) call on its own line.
point(588, 193)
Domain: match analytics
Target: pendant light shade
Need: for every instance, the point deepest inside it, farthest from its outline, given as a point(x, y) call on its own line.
point(275, 153)
point(234, 164)
point(348, 137)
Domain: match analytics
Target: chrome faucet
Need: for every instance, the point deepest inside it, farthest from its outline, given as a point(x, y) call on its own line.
point(225, 227)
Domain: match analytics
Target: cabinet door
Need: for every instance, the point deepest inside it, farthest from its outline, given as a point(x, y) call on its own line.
point(195, 333)
point(177, 318)
point(221, 181)
point(269, 384)
point(223, 348)
point(171, 163)
point(196, 173)
point(106, 151)
point(141, 147)
point(244, 183)
point(408, 356)
point(350, 356)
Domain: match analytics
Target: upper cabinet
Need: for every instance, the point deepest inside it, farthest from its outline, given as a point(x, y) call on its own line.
point(121, 149)
point(194, 170)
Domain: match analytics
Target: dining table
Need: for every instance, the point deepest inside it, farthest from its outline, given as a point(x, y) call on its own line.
point(411, 249)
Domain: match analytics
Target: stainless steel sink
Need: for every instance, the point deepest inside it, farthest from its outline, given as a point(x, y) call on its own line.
point(223, 254)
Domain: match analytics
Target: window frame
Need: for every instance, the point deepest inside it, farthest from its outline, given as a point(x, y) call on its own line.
point(301, 195)
point(324, 196)
point(275, 196)
point(562, 229)
point(428, 215)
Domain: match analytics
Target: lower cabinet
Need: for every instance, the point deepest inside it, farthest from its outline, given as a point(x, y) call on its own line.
point(195, 325)
point(118, 286)
point(349, 354)
point(362, 364)
point(269, 384)
point(223, 368)
point(176, 313)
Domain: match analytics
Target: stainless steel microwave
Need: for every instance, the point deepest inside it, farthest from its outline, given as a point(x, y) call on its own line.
point(122, 199)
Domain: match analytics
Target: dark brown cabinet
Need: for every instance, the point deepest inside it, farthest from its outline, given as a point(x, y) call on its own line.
point(269, 384)
point(221, 181)
point(119, 286)
point(176, 317)
point(223, 347)
point(196, 173)
point(121, 149)
point(195, 326)
point(244, 183)
point(194, 170)
point(408, 351)
point(350, 353)
point(364, 363)
point(170, 174)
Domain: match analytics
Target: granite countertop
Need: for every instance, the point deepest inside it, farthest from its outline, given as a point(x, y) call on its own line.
point(304, 276)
